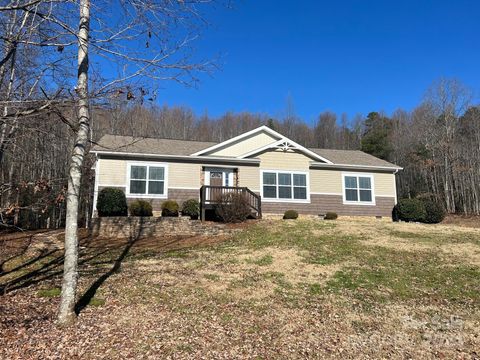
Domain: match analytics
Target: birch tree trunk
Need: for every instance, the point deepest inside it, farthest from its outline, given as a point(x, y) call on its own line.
point(66, 314)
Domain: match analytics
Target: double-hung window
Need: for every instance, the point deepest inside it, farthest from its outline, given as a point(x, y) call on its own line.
point(147, 180)
point(282, 185)
point(358, 189)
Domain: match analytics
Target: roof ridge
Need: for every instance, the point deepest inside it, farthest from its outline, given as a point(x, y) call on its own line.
point(315, 148)
point(158, 138)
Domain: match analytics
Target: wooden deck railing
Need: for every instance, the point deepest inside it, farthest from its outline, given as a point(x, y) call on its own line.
point(211, 196)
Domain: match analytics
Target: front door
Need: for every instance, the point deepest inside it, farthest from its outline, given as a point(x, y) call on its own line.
point(216, 179)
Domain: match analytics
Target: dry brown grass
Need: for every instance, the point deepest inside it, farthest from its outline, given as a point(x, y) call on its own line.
point(353, 288)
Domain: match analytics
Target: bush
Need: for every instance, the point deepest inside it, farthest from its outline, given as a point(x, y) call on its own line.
point(290, 215)
point(191, 207)
point(411, 210)
point(112, 202)
point(170, 208)
point(434, 211)
point(140, 208)
point(395, 214)
point(233, 208)
point(331, 216)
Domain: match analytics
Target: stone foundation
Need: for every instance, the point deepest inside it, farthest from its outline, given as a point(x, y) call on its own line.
point(138, 227)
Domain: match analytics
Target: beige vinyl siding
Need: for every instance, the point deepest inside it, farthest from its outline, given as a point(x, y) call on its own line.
point(249, 176)
point(326, 181)
point(112, 172)
point(384, 184)
point(330, 182)
point(280, 160)
point(245, 145)
point(184, 175)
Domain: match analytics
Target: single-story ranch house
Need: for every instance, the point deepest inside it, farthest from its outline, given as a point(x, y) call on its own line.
point(275, 172)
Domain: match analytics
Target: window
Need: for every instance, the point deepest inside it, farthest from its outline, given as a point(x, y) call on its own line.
point(358, 189)
point(147, 180)
point(284, 185)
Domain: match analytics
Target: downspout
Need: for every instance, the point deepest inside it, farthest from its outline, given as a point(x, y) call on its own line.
point(395, 185)
point(95, 188)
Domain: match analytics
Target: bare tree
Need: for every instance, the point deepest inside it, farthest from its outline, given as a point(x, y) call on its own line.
point(447, 99)
point(66, 314)
point(144, 43)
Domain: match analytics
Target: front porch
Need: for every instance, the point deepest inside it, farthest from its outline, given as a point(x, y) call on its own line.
point(211, 196)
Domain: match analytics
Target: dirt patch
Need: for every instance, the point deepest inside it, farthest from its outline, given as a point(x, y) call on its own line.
point(163, 243)
point(470, 221)
point(291, 263)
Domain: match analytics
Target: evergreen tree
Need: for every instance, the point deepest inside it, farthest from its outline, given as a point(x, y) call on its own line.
point(376, 138)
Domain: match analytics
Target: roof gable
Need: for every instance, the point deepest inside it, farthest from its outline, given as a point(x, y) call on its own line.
point(254, 147)
point(241, 145)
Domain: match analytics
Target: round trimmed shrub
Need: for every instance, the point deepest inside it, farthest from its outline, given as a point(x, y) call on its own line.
point(411, 210)
point(170, 208)
point(191, 207)
point(140, 208)
point(112, 202)
point(290, 215)
point(331, 216)
point(434, 211)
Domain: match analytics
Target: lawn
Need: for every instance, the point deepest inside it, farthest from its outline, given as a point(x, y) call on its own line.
point(350, 288)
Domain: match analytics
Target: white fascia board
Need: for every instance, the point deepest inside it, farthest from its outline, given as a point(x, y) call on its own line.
point(200, 159)
point(239, 137)
point(295, 145)
point(359, 167)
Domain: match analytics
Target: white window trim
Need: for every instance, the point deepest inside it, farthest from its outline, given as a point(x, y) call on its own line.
point(358, 202)
point(278, 200)
point(147, 196)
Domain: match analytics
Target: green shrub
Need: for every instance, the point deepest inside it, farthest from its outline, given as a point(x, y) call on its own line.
point(233, 208)
point(331, 216)
point(411, 210)
point(140, 208)
point(191, 207)
point(395, 214)
point(434, 211)
point(170, 208)
point(111, 202)
point(290, 215)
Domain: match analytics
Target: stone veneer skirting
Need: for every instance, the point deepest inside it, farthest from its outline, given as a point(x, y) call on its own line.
point(134, 227)
point(321, 204)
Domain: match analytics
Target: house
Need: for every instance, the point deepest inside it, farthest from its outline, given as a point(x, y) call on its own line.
point(275, 172)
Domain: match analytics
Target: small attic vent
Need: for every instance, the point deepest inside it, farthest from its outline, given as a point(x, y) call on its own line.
point(285, 146)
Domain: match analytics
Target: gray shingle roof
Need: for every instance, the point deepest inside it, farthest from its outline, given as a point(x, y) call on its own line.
point(128, 144)
point(351, 157)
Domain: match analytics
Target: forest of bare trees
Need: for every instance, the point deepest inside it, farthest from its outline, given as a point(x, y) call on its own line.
point(437, 144)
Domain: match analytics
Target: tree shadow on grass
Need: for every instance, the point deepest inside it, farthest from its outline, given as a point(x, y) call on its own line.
point(85, 299)
point(48, 265)
point(47, 270)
